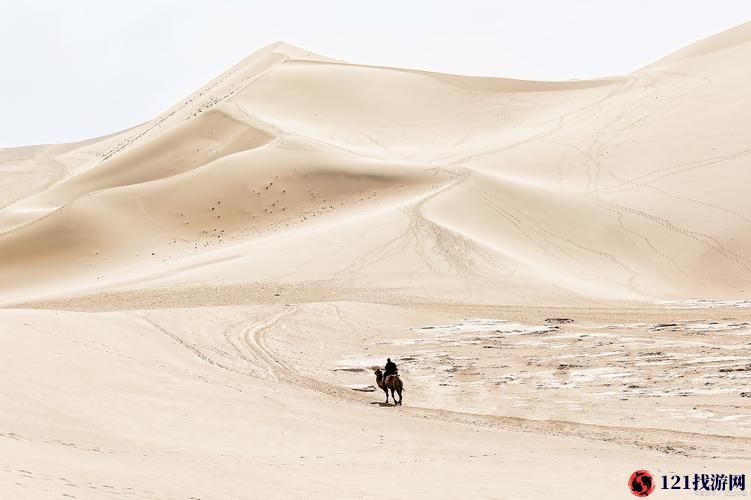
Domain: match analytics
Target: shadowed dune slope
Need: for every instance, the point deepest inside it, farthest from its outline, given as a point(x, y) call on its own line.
point(129, 229)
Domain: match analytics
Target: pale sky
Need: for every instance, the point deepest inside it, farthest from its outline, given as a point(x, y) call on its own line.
point(77, 69)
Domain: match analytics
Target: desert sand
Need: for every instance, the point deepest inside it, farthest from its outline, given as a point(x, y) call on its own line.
point(192, 308)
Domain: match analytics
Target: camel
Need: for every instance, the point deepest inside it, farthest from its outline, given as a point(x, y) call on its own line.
point(392, 382)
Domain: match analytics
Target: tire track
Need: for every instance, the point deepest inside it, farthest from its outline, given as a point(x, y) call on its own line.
point(704, 239)
point(179, 340)
point(253, 340)
point(661, 173)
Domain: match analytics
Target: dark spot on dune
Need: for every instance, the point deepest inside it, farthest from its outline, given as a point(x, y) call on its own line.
point(558, 320)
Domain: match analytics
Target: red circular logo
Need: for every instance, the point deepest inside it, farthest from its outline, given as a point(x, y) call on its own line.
point(641, 483)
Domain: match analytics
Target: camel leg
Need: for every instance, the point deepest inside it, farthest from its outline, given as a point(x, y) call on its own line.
point(386, 391)
point(392, 396)
point(400, 397)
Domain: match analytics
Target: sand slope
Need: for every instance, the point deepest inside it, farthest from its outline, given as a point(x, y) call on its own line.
point(611, 189)
point(240, 262)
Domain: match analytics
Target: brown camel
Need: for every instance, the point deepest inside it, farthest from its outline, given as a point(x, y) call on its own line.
point(392, 382)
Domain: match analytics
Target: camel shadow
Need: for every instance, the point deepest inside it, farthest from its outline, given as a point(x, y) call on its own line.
point(381, 403)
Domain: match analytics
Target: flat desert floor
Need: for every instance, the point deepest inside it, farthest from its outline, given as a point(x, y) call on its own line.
point(193, 308)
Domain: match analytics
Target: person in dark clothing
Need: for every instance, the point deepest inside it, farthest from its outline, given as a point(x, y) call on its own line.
point(390, 368)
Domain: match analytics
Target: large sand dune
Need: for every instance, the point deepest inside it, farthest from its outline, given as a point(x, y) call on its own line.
point(189, 304)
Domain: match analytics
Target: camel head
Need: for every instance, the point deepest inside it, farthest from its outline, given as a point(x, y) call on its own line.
point(378, 373)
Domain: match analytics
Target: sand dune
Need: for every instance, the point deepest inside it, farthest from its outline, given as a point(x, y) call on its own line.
point(610, 189)
point(187, 304)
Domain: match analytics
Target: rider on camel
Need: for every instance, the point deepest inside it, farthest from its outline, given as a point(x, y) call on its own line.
point(390, 369)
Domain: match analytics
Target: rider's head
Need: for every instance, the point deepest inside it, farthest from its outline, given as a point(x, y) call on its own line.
point(388, 360)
